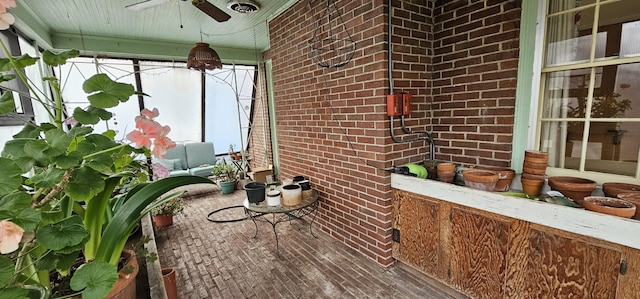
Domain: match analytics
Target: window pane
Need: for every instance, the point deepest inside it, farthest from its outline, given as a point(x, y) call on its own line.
point(565, 94)
point(569, 38)
point(227, 120)
point(613, 148)
point(617, 96)
point(73, 74)
point(620, 20)
point(175, 91)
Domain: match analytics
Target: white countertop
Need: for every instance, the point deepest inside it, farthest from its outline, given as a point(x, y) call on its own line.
point(600, 226)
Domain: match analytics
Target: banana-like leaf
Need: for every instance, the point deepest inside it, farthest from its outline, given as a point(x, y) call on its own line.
point(124, 220)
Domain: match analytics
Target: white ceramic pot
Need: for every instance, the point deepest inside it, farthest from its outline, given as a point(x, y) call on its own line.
point(273, 198)
point(291, 195)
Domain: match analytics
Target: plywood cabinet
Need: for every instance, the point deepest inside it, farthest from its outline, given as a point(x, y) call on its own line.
point(417, 220)
point(560, 267)
point(486, 255)
point(478, 253)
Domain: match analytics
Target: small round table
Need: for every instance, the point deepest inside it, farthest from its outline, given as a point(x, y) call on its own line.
point(276, 214)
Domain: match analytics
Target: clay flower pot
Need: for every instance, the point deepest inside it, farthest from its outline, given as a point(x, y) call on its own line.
point(505, 176)
point(163, 220)
point(531, 187)
point(536, 154)
point(480, 179)
point(572, 187)
point(609, 205)
point(613, 189)
point(531, 176)
point(633, 198)
point(446, 172)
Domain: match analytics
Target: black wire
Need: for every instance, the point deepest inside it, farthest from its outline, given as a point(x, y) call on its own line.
point(226, 220)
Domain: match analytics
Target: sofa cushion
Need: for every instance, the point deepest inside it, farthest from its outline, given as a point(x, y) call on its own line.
point(203, 171)
point(179, 172)
point(200, 154)
point(179, 153)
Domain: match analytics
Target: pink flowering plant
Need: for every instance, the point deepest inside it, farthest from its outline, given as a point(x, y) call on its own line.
point(69, 194)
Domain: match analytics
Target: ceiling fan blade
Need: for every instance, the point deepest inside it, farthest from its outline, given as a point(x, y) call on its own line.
point(211, 10)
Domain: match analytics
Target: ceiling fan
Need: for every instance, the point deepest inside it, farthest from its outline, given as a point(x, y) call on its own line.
point(203, 5)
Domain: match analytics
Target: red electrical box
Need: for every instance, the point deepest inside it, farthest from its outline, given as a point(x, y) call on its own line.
point(394, 104)
point(406, 104)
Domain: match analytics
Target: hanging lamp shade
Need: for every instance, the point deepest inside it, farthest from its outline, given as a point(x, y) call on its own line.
point(202, 57)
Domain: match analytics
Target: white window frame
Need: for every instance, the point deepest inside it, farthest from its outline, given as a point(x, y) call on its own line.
point(529, 89)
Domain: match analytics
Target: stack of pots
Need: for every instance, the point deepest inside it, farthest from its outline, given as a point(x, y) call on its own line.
point(446, 172)
point(533, 171)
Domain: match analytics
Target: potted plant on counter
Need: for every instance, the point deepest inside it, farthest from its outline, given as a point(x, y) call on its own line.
point(225, 174)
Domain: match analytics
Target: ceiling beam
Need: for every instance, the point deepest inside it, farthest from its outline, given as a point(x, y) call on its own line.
point(129, 48)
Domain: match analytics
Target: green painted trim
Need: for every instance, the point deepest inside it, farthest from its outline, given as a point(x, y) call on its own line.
point(524, 86)
point(272, 117)
point(144, 49)
point(31, 26)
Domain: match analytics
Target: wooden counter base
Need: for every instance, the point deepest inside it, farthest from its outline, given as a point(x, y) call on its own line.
point(491, 255)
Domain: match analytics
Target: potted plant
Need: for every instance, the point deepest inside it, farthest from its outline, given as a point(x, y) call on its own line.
point(164, 212)
point(70, 197)
point(233, 154)
point(225, 174)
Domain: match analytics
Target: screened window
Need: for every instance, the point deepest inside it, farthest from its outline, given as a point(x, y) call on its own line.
point(23, 111)
point(590, 94)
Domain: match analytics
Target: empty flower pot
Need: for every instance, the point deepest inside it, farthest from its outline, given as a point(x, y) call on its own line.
point(572, 187)
point(291, 195)
point(531, 187)
point(633, 198)
point(505, 177)
point(613, 189)
point(536, 155)
point(255, 191)
point(609, 205)
point(480, 179)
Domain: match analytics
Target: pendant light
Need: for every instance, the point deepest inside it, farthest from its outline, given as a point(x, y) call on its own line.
point(202, 57)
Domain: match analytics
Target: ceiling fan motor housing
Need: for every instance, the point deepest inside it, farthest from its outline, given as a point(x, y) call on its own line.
point(243, 6)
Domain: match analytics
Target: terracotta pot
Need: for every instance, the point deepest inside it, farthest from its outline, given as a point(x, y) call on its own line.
point(572, 187)
point(613, 189)
point(480, 179)
point(447, 166)
point(125, 287)
point(505, 176)
point(163, 220)
point(633, 198)
point(536, 154)
point(609, 205)
point(170, 286)
point(531, 176)
point(534, 170)
point(535, 165)
point(536, 160)
point(446, 176)
point(531, 187)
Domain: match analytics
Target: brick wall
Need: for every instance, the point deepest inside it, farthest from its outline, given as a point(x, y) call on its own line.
point(474, 80)
point(331, 122)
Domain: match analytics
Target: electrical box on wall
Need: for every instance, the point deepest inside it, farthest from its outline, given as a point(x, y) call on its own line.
point(394, 104)
point(406, 104)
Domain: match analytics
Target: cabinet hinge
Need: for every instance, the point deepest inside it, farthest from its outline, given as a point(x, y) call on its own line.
point(623, 267)
point(395, 235)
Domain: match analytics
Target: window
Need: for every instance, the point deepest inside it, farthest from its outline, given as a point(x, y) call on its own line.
point(590, 87)
point(23, 111)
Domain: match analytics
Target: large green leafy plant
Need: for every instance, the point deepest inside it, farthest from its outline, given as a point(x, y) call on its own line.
point(67, 191)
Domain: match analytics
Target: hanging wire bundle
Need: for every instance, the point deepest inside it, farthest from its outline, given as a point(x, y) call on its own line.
point(331, 44)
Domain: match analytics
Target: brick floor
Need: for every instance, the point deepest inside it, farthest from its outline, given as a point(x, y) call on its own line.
point(223, 260)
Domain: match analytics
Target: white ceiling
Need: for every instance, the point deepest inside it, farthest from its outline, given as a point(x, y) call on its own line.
point(166, 31)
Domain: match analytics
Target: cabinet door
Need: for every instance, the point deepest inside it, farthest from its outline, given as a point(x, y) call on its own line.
point(560, 267)
point(416, 220)
point(478, 260)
